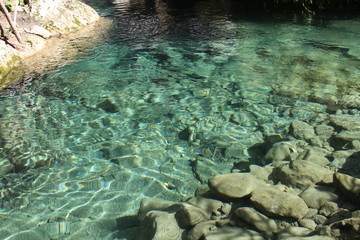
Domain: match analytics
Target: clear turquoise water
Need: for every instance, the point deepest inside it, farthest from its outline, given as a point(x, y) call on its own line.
point(174, 95)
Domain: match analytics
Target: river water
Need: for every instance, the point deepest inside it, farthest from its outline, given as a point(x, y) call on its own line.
point(173, 95)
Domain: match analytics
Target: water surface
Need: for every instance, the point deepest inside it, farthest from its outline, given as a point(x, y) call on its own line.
point(174, 94)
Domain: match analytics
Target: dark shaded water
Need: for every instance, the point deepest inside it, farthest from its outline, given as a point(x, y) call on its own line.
point(175, 94)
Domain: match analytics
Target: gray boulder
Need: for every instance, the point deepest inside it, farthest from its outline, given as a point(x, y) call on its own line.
point(302, 174)
point(252, 217)
point(302, 130)
point(234, 185)
point(280, 151)
point(210, 206)
point(201, 229)
point(315, 197)
point(349, 136)
point(150, 204)
point(189, 215)
point(273, 202)
point(347, 184)
point(346, 121)
point(158, 225)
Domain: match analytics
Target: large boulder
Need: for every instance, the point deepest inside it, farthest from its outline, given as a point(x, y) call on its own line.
point(150, 204)
point(315, 155)
point(252, 217)
point(302, 130)
point(348, 184)
point(210, 206)
point(280, 151)
point(189, 215)
point(273, 202)
point(346, 121)
point(158, 225)
point(348, 135)
point(302, 174)
point(315, 197)
point(234, 185)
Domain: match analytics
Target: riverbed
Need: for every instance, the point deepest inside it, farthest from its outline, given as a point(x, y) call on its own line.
point(174, 94)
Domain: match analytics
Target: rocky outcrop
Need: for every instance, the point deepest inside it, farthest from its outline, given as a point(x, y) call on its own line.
point(45, 20)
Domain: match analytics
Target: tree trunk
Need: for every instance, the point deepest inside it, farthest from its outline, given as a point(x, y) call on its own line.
point(4, 10)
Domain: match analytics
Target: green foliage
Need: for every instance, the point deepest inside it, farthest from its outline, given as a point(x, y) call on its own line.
point(9, 6)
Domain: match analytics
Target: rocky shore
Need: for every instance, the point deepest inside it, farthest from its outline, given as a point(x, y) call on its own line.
point(302, 190)
point(36, 25)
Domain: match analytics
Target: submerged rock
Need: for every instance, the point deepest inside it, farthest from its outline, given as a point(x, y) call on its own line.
point(189, 215)
point(280, 151)
point(159, 225)
point(150, 204)
point(235, 185)
point(210, 206)
point(261, 222)
point(201, 230)
point(303, 174)
point(346, 121)
point(302, 130)
point(273, 202)
point(315, 197)
point(348, 184)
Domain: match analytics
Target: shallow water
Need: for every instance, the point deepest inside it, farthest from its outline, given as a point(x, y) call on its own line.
point(172, 96)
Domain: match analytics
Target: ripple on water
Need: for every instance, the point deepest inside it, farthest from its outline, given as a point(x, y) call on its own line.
point(134, 118)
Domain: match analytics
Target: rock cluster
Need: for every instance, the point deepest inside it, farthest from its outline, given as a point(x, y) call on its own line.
point(241, 206)
point(299, 194)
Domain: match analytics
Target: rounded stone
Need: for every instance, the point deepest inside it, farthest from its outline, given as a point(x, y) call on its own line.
point(235, 185)
point(273, 202)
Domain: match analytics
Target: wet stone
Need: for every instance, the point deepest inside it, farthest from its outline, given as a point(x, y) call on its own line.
point(319, 219)
point(189, 215)
point(307, 223)
point(315, 155)
point(279, 151)
point(346, 121)
point(349, 135)
point(159, 225)
point(348, 184)
point(311, 213)
point(315, 197)
point(235, 185)
point(324, 131)
point(273, 202)
point(303, 174)
point(328, 208)
point(261, 222)
point(302, 130)
point(108, 106)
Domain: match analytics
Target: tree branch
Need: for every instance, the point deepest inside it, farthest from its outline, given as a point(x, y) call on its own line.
point(4, 10)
